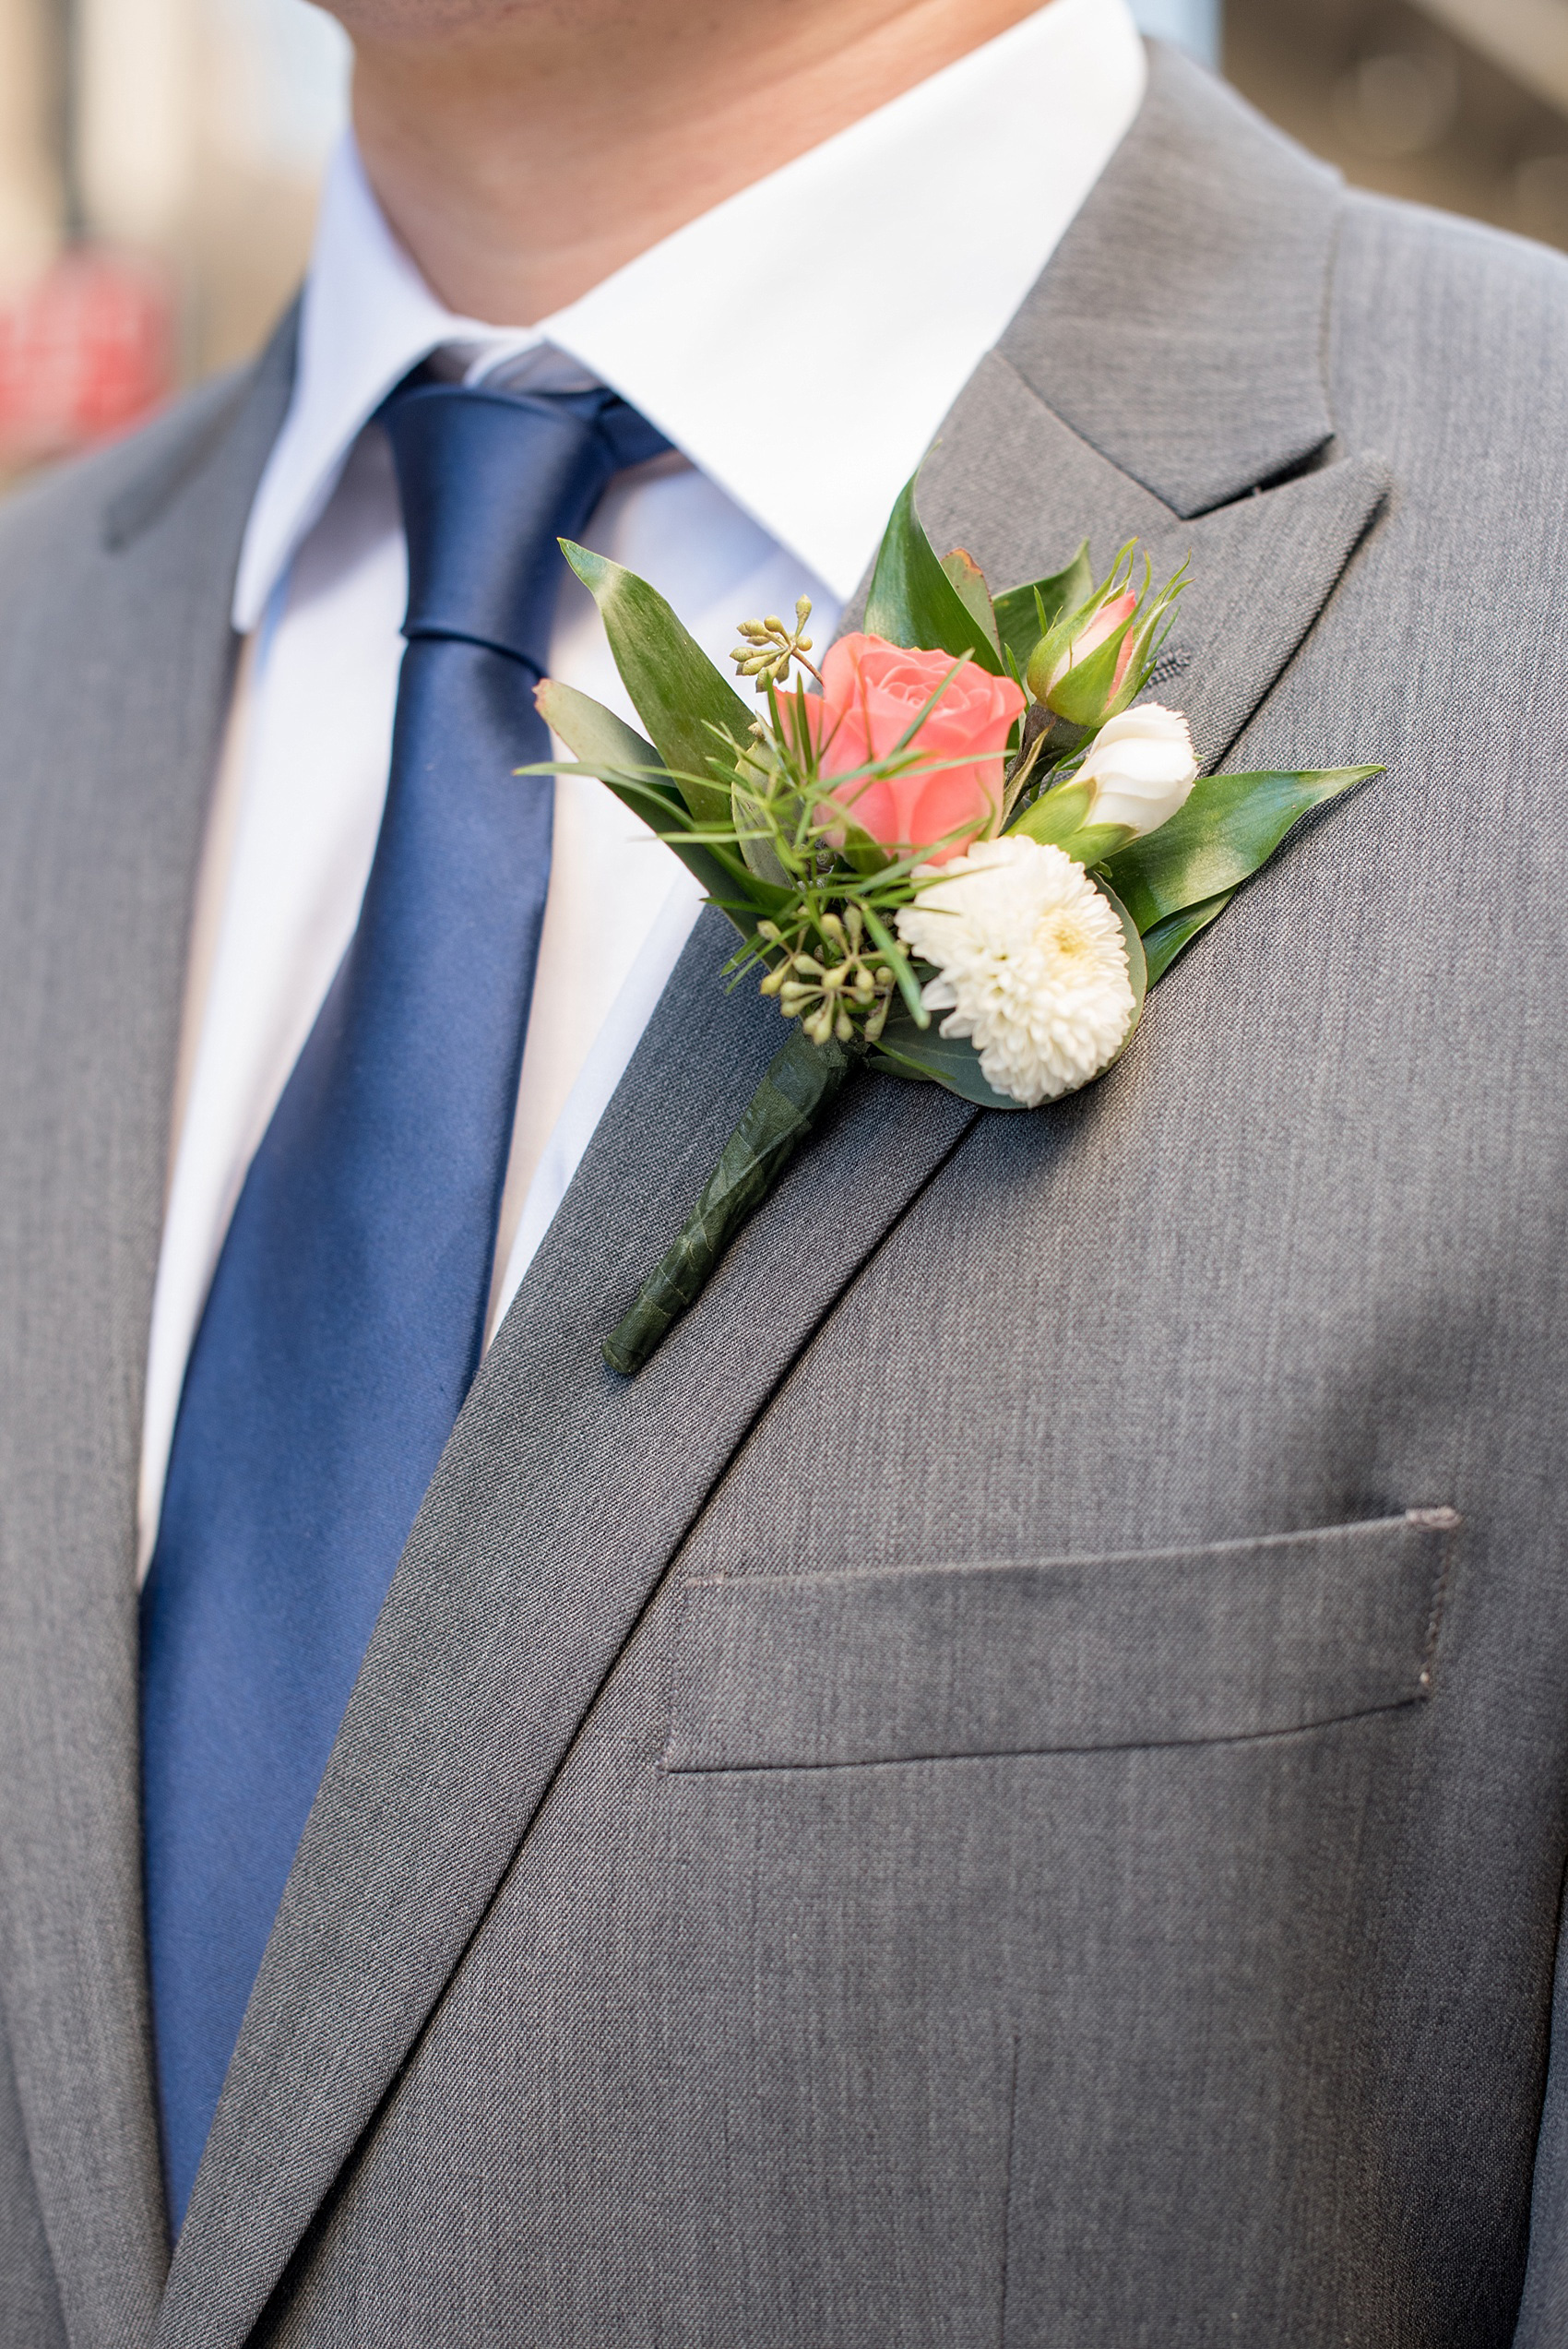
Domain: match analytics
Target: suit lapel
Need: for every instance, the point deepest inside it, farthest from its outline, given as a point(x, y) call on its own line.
point(1167, 378)
point(564, 1492)
point(1262, 571)
point(93, 1001)
point(1181, 326)
point(1262, 567)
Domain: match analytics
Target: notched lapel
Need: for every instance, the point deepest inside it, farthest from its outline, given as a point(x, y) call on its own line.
point(118, 654)
point(1017, 486)
point(1014, 484)
point(1182, 324)
point(1262, 570)
point(1166, 378)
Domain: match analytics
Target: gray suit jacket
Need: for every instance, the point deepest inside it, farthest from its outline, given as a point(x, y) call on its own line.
point(1014, 1787)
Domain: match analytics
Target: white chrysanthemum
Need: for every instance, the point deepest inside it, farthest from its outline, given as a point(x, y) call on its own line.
point(1032, 964)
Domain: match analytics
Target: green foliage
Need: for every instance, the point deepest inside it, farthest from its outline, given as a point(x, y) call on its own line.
point(600, 739)
point(926, 1055)
point(1229, 826)
point(751, 834)
point(1055, 815)
point(689, 708)
point(967, 578)
point(1095, 843)
point(913, 602)
point(632, 769)
point(1166, 941)
point(1137, 962)
point(1025, 613)
point(1055, 820)
point(800, 1082)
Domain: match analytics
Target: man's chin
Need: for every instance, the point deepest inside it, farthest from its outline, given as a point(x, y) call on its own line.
point(412, 19)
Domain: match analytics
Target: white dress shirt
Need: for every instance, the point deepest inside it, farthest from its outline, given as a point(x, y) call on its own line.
point(799, 400)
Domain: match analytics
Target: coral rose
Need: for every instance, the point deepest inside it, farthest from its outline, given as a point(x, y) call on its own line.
point(872, 694)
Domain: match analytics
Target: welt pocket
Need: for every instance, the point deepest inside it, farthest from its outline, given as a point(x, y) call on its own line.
point(1234, 1640)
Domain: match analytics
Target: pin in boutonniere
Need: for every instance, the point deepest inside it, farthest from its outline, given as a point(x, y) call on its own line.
point(960, 852)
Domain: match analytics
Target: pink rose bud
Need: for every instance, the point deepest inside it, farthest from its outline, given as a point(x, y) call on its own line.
point(951, 794)
point(1103, 626)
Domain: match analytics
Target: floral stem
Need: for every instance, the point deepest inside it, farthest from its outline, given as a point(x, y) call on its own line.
point(802, 1082)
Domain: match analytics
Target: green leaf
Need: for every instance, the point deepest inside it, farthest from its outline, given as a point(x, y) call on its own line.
point(756, 850)
point(952, 1061)
point(1229, 826)
point(1084, 694)
point(1056, 815)
point(1137, 968)
point(600, 739)
point(863, 854)
point(1056, 821)
point(800, 1085)
point(964, 575)
point(632, 769)
point(1095, 843)
point(926, 1054)
point(1166, 941)
point(898, 963)
point(913, 602)
point(1022, 620)
point(679, 695)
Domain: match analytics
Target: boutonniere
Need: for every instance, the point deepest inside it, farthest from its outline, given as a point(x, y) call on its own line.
point(960, 852)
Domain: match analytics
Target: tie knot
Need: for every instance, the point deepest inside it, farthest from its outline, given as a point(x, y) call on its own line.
point(489, 480)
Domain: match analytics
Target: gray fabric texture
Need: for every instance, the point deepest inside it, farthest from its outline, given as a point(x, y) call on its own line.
point(1237, 2027)
point(1169, 1648)
point(1241, 394)
point(115, 660)
point(29, 2304)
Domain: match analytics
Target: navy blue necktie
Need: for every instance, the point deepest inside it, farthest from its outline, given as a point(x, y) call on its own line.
point(346, 1317)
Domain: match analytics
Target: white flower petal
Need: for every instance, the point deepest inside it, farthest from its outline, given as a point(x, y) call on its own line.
point(1031, 964)
point(1140, 767)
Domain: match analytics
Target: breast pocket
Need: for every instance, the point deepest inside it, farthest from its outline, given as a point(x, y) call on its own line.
point(1232, 1639)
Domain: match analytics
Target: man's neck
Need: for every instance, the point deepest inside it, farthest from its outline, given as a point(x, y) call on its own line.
point(522, 160)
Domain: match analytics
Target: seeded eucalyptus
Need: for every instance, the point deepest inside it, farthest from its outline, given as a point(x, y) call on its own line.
point(769, 647)
point(830, 995)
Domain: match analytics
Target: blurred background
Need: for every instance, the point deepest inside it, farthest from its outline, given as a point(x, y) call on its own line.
point(159, 161)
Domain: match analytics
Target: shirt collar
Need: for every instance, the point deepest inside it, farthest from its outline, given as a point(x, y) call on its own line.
point(809, 389)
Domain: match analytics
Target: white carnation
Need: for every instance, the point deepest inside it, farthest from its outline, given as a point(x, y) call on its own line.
point(1032, 964)
point(1140, 769)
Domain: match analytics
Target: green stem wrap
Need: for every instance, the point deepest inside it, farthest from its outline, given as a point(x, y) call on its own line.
point(802, 1082)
